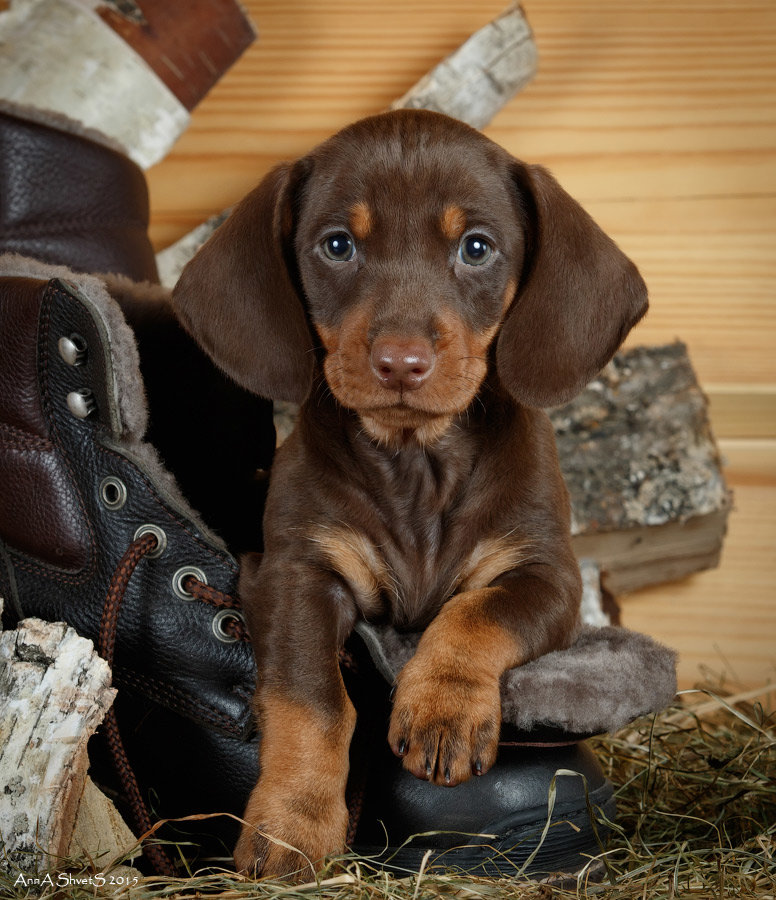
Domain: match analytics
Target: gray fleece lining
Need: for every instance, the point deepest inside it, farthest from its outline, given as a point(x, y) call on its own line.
point(607, 678)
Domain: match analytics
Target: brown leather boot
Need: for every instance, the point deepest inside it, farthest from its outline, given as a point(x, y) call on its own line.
point(72, 201)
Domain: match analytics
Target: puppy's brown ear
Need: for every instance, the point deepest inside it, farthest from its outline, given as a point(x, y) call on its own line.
point(237, 299)
point(578, 298)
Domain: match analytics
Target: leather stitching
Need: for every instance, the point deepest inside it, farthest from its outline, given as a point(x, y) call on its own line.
point(175, 698)
point(17, 439)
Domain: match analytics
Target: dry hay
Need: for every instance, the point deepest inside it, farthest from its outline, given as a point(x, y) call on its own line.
point(697, 819)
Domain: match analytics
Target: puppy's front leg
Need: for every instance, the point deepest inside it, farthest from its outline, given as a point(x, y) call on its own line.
point(296, 814)
point(447, 708)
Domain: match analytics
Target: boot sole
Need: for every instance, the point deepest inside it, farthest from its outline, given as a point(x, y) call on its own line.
point(520, 845)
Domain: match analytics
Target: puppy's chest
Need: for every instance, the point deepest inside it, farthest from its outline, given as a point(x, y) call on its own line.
point(419, 542)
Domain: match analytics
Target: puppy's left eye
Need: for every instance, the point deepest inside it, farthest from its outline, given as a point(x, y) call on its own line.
point(339, 247)
point(474, 250)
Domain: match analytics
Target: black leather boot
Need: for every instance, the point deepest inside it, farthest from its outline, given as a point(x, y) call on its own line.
point(528, 815)
point(95, 531)
point(542, 809)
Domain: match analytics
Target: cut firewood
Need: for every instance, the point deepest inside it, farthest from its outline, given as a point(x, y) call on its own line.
point(597, 607)
point(474, 82)
point(171, 260)
point(126, 73)
point(54, 692)
point(99, 831)
point(648, 495)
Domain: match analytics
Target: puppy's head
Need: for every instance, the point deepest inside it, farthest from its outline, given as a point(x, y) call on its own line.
point(407, 252)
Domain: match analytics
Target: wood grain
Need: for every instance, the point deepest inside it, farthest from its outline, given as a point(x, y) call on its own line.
point(660, 117)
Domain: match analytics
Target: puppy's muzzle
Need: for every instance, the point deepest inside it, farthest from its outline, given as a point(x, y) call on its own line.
point(402, 364)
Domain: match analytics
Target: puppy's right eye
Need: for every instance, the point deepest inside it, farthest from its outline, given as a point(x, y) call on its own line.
point(339, 247)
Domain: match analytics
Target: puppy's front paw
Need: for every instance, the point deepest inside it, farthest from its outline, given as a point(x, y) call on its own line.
point(445, 723)
point(260, 853)
point(288, 835)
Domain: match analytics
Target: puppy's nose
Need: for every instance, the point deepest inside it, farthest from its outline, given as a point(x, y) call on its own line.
point(402, 364)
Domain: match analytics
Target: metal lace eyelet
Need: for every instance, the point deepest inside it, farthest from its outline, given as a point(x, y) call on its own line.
point(113, 492)
point(179, 578)
point(161, 539)
point(72, 349)
point(220, 620)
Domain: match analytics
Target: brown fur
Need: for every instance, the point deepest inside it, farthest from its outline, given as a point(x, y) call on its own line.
point(312, 797)
point(421, 485)
point(447, 707)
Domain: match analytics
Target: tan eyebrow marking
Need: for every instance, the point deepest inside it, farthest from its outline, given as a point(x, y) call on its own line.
point(509, 295)
point(453, 222)
point(361, 220)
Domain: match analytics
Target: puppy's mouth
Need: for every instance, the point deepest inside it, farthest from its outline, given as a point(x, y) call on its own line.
point(400, 424)
point(401, 384)
point(403, 411)
point(434, 399)
point(397, 419)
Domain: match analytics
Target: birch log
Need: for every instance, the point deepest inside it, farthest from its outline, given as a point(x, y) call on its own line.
point(54, 692)
point(126, 73)
point(99, 831)
point(474, 82)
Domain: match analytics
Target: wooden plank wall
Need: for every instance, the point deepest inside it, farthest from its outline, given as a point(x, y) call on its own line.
point(660, 117)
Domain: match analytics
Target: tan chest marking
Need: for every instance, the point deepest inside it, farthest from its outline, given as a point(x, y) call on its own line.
point(360, 564)
point(490, 558)
point(356, 559)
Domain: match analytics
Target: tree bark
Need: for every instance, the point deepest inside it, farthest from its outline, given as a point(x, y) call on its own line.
point(54, 692)
point(482, 75)
point(648, 495)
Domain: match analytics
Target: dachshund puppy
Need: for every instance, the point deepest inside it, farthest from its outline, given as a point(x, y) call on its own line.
point(423, 295)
